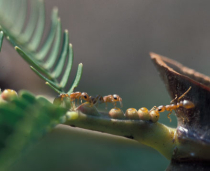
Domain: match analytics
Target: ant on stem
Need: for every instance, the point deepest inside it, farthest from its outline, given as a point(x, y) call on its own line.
point(92, 100)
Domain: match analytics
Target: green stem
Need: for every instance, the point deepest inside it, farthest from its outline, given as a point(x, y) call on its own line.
point(155, 135)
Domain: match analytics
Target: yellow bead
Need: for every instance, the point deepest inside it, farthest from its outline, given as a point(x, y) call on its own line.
point(8, 94)
point(154, 116)
point(143, 114)
point(131, 113)
point(116, 113)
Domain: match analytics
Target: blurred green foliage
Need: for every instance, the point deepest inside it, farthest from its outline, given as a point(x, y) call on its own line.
point(23, 121)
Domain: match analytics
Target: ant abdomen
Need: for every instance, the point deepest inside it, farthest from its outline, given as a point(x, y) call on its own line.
point(187, 104)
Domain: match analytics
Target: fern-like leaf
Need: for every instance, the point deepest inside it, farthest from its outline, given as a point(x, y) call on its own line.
point(26, 41)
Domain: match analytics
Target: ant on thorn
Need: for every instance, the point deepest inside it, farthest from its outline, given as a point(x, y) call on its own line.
point(173, 106)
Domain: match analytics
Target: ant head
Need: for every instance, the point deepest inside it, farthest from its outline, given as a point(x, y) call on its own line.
point(161, 108)
point(116, 98)
point(85, 96)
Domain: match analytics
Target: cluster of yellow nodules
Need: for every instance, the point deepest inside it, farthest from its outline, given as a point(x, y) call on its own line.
point(131, 113)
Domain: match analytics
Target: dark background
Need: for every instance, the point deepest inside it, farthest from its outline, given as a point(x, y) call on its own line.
point(113, 39)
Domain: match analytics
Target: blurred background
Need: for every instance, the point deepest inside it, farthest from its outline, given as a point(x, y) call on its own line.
point(113, 39)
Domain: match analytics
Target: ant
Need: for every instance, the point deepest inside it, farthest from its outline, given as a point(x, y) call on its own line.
point(92, 100)
point(106, 99)
point(112, 99)
point(75, 95)
point(184, 103)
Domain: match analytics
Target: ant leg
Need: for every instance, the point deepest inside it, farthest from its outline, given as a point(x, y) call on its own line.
point(91, 100)
point(115, 104)
point(169, 116)
point(184, 93)
point(106, 106)
point(73, 104)
point(185, 119)
point(96, 103)
point(172, 101)
point(121, 104)
point(76, 102)
point(91, 103)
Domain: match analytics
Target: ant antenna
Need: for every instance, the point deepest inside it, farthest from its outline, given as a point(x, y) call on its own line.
point(178, 99)
point(184, 93)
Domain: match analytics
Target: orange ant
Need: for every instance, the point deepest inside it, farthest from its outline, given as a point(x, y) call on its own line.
point(185, 103)
point(93, 100)
point(112, 99)
point(75, 95)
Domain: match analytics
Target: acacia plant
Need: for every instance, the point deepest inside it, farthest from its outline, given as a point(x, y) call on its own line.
point(187, 146)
